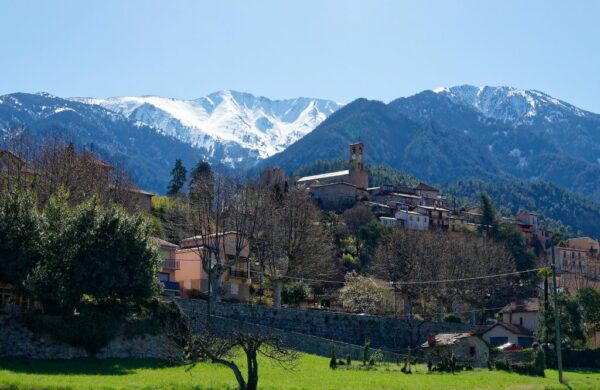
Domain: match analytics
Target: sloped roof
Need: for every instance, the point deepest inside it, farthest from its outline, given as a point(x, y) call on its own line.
point(164, 243)
point(522, 305)
point(513, 328)
point(425, 187)
point(448, 339)
point(324, 176)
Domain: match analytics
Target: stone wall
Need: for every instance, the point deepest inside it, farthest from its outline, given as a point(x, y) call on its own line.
point(383, 332)
point(16, 341)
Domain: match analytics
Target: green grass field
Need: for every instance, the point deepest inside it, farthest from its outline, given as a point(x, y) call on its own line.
point(312, 372)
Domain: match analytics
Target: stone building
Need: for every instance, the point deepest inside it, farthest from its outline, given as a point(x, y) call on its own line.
point(342, 189)
point(354, 175)
point(468, 348)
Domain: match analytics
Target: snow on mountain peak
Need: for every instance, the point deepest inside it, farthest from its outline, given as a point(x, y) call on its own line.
point(226, 119)
point(510, 104)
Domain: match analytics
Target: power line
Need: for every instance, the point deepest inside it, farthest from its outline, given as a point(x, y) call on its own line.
point(415, 282)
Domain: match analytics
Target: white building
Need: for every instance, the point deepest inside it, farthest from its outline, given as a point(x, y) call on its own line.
point(412, 220)
point(522, 312)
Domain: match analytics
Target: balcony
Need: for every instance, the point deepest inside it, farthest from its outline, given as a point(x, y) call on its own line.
point(170, 264)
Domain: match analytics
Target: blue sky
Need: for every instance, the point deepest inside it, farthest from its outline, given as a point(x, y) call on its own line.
point(338, 50)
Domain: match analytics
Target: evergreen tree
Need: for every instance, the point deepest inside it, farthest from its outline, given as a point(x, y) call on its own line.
point(488, 220)
point(201, 185)
point(178, 178)
point(20, 237)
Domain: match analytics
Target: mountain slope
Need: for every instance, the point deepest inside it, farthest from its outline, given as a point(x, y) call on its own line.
point(234, 128)
point(490, 133)
point(392, 139)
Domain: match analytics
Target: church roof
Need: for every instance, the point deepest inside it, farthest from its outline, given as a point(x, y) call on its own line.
point(329, 175)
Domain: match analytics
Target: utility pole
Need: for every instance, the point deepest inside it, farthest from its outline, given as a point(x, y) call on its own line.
point(209, 290)
point(556, 318)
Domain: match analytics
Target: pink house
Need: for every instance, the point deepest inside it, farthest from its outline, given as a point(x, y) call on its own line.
point(183, 265)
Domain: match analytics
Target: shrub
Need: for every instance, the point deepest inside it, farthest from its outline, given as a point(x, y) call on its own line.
point(349, 359)
point(295, 292)
point(453, 318)
point(333, 361)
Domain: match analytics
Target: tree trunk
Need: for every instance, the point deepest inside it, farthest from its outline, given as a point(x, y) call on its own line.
point(407, 308)
point(252, 371)
point(277, 293)
point(238, 374)
point(215, 293)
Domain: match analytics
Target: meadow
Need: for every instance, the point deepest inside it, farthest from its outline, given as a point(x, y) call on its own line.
point(311, 372)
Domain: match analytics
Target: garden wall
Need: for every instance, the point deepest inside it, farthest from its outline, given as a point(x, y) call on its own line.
point(16, 341)
point(383, 332)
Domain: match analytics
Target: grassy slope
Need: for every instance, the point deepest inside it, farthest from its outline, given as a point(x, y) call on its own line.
point(312, 372)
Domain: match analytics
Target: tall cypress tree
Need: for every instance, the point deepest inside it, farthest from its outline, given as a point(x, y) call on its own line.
point(201, 183)
point(488, 220)
point(178, 178)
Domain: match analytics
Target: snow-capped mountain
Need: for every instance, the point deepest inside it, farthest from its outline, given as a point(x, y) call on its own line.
point(234, 127)
point(512, 105)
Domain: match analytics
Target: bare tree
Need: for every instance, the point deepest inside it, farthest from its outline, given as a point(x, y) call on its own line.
point(291, 240)
point(416, 262)
point(221, 346)
point(224, 216)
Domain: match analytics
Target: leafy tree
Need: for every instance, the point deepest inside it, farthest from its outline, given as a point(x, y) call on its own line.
point(295, 292)
point(93, 256)
point(178, 178)
point(589, 299)
point(20, 237)
point(570, 319)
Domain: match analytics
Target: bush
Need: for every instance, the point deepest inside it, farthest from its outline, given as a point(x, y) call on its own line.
point(333, 361)
point(453, 318)
point(295, 292)
point(575, 358)
point(92, 328)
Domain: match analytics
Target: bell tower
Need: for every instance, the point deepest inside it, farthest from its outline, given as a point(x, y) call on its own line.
point(356, 166)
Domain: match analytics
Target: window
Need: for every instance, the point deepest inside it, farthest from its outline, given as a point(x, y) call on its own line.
point(235, 289)
point(497, 341)
point(163, 277)
point(521, 321)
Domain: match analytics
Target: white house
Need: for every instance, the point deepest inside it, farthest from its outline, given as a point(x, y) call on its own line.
point(502, 333)
point(522, 312)
point(412, 220)
point(388, 221)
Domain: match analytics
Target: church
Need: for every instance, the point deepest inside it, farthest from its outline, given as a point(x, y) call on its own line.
point(340, 190)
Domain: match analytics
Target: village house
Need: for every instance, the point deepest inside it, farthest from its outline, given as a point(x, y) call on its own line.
point(467, 348)
point(412, 220)
point(522, 312)
point(430, 196)
point(438, 216)
point(518, 325)
point(570, 260)
point(591, 246)
point(502, 333)
point(191, 276)
point(168, 266)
